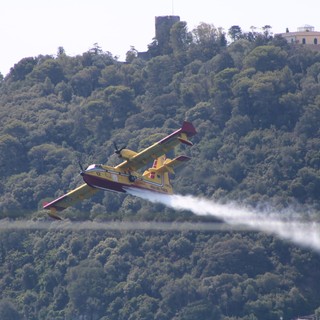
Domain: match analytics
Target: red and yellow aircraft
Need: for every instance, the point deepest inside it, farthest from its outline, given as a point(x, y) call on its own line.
point(125, 175)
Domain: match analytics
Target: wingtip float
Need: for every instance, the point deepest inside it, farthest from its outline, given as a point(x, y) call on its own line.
point(125, 175)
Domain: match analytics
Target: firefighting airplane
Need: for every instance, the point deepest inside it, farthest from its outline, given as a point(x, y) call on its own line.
point(125, 175)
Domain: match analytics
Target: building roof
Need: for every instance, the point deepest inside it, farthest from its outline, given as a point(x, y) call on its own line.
point(303, 30)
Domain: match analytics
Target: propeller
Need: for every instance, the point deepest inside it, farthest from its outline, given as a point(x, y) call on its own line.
point(81, 167)
point(117, 150)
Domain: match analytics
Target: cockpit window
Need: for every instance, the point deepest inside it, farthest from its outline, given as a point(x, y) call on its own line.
point(94, 166)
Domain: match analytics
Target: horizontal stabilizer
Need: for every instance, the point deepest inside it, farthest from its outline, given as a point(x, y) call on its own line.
point(53, 215)
point(185, 141)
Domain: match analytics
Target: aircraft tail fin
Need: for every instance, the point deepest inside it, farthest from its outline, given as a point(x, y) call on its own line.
point(168, 165)
point(163, 166)
point(155, 173)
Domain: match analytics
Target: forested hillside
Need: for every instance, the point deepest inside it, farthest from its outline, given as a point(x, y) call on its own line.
point(255, 103)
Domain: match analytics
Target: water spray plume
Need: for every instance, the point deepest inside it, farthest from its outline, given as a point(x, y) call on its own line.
point(287, 227)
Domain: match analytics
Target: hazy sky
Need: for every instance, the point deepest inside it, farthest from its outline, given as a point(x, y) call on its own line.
point(32, 27)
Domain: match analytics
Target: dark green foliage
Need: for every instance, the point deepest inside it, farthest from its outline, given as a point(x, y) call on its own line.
point(8, 311)
point(143, 275)
point(266, 58)
point(85, 81)
point(255, 104)
point(49, 68)
point(21, 69)
point(235, 33)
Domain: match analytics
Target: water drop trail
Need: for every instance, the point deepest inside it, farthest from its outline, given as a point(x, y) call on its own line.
point(288, 227)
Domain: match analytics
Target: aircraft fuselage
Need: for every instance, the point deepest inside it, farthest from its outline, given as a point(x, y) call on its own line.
point(113, 179)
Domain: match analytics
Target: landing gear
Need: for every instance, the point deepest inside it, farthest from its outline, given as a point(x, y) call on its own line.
point(132, 178)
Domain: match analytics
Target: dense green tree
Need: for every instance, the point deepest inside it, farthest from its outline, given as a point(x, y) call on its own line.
point(266, 58)
point(50, 69)
point(29, 276)
point(235, 33)
point(120, 103)
point(180, 38)
point(306, 123)
point(8, 311)
point(87, 276)
point(206, 42)
point(64, 91)
point(85, 81)
point(12, 155)
point(21, 69)
point(159, 72)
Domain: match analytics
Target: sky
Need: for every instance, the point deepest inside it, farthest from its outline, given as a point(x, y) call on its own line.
point(38, 27)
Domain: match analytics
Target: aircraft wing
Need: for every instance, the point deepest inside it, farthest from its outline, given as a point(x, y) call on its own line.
point(161, 147)
point(69, 199)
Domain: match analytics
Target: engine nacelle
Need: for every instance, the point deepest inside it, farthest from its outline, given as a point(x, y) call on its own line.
point(127, 154)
